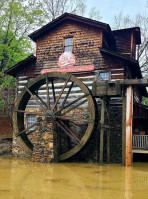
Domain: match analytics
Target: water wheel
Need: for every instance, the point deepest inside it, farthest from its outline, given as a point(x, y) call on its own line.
point(60, 98)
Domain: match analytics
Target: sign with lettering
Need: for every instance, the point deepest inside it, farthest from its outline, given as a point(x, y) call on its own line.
point(69, 70)
point(66, 60)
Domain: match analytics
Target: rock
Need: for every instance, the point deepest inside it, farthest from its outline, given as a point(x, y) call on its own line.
point(5, 146)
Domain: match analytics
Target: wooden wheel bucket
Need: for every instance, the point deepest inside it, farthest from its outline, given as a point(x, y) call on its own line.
point(66, 101)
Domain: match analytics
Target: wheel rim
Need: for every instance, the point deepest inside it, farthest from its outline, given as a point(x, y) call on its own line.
point(57, 107)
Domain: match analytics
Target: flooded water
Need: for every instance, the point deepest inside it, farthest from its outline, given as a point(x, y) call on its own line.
point(23, 179)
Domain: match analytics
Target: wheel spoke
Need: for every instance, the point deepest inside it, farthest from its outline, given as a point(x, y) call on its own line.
point(30, 113)
point(34, 97)
point(79, 125)
point(70, 131)
point(25, 130)
point(53, 90)
point(61, 92)
point(85, 95)
point(41, 100)
point(31, 132)
point(74, 107)
point(67, 94)
point(47, 89)
point(67, 133)
point(75, 119)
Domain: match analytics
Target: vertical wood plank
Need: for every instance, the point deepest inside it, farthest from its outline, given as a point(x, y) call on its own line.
point(123, 127)
point(102, 131)
point(129, 124)
point(132, 44)
point(108, 134)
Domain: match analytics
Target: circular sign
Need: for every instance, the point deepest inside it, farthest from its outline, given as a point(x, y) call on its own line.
point(66, 60)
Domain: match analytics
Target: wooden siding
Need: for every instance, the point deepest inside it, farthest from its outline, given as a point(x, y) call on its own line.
point(86, 39)
point(123, 42)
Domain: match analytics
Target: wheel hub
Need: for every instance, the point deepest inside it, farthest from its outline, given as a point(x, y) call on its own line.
point(50, 116)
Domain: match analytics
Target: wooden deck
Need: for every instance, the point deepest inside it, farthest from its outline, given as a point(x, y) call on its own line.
point(140, 151)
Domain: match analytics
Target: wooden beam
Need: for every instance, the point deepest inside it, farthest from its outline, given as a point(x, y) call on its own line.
point(123, 126)
point(129, 122)
point(102, 131)
point(132, 43)
point(108, 134)
point(134, 82)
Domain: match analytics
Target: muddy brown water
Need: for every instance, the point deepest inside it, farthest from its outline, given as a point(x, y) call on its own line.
point(23, 179)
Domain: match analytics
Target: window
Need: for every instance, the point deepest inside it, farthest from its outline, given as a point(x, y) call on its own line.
point(104, 75)
point(68, 45)
point(30, 78)
point(30, 120)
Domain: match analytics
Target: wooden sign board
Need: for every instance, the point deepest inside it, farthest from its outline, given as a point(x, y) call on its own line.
point(69, 70)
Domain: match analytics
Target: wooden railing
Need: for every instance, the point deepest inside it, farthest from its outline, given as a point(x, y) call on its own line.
point(140, 142)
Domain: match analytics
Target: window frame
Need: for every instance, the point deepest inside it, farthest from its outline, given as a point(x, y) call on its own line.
point(26, 118)
point(64, 39)
point(104, 71)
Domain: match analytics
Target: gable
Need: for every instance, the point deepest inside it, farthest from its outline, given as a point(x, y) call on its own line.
point(72, 18)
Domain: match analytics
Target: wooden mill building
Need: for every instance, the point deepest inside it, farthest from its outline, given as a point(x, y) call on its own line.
point(108, 55)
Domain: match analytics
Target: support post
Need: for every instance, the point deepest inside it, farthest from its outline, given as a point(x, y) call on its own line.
point(108, 146)
point(55, 143)
point(123, 126)
point(102, 131)
point(129, 123)
point(108, 134)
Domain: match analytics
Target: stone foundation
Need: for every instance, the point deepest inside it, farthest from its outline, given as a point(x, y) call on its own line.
point(43, 150)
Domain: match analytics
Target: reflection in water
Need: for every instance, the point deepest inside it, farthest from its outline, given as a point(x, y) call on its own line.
point(128, 183)
point(23, 179)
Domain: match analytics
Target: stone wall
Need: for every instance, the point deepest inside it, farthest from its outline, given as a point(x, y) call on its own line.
point(115, 113)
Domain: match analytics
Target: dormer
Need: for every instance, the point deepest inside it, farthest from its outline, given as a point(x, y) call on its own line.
point(126, 41)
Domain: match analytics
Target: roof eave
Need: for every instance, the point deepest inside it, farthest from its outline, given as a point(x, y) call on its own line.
point(136, 30)
point(13, 70)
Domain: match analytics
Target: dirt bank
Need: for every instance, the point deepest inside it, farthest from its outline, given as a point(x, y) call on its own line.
point(5, 146)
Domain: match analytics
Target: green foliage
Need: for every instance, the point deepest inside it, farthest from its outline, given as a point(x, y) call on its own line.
point(17, 20)
point(145, 101)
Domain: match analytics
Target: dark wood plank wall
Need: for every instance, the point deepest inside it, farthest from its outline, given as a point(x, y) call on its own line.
point(123, 42)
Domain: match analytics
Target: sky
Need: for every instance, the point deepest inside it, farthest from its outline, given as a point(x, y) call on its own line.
point(108, 8)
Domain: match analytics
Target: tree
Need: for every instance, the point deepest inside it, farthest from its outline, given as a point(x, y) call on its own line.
point(121, 21)
point(55, 8)
point(17, 20)
point(94, 14)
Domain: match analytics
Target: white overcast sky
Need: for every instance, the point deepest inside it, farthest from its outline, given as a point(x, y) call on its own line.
point(108, 8)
